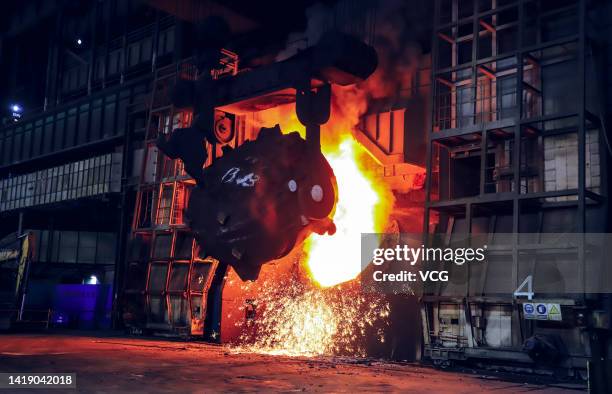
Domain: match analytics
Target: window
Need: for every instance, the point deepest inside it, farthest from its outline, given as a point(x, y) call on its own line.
point(114, 62)
point(83, 128)
point(68, 247)
point(164, 205)
point(17, 142)
point(140, 247)
point(27, 143)
point(178, 277)
point(70, 128)
point(87, 248)
point(48, 135)
point(96, 120)
point(54, 240)
point(124, 102)
point(58, 140)
point(37, 138)
point(163, 245)
point(133, 54)
point(157, 278)
point(106, 248)
point(109, 115)
point(145, 50)
point(184, 243)
point(8, 146)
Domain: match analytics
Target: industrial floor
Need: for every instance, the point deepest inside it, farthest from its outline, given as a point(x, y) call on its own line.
point(116, 364)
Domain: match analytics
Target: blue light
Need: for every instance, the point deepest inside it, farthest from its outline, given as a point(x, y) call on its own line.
point(16, 108)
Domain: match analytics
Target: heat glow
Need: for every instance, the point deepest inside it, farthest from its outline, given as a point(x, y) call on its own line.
point(327, 314)
point(300, 320)
point(364, 201)
point(362, 207)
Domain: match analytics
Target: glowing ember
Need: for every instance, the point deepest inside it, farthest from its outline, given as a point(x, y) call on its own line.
point(298, 320)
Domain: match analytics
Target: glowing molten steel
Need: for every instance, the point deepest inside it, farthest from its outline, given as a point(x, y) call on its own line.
point(322, 315)
point(363, 207)
point(364, 201)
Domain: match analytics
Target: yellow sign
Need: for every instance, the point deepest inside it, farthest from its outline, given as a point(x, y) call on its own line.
point(554, 310)
point(25, 247)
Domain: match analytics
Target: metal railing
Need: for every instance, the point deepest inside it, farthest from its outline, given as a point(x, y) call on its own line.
point(469, 106)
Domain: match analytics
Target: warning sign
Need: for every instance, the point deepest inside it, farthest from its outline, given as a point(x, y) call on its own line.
point(542, 311)
point(554, 312)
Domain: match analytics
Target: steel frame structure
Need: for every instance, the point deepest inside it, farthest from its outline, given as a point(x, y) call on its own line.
point(461, 68)
point(175, 282)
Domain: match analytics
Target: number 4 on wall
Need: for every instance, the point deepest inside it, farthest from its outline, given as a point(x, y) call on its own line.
point(520, 291)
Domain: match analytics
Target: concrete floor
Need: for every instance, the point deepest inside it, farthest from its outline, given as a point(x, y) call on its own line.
point(119, 364)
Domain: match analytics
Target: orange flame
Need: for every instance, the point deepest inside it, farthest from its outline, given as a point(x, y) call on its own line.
point(323, 316)
point(364, 201)
point(363, 207)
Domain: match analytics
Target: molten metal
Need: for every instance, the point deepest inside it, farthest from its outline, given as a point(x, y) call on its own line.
point(363, 207)
point(326, 313)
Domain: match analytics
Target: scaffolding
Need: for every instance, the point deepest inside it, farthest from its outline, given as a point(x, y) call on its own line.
point(514, 148)
point(167, 283)
point(165, 278)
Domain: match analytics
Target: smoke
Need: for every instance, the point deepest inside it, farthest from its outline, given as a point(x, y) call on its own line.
point(319, 20)
point(399, 53)
point(400, 32)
